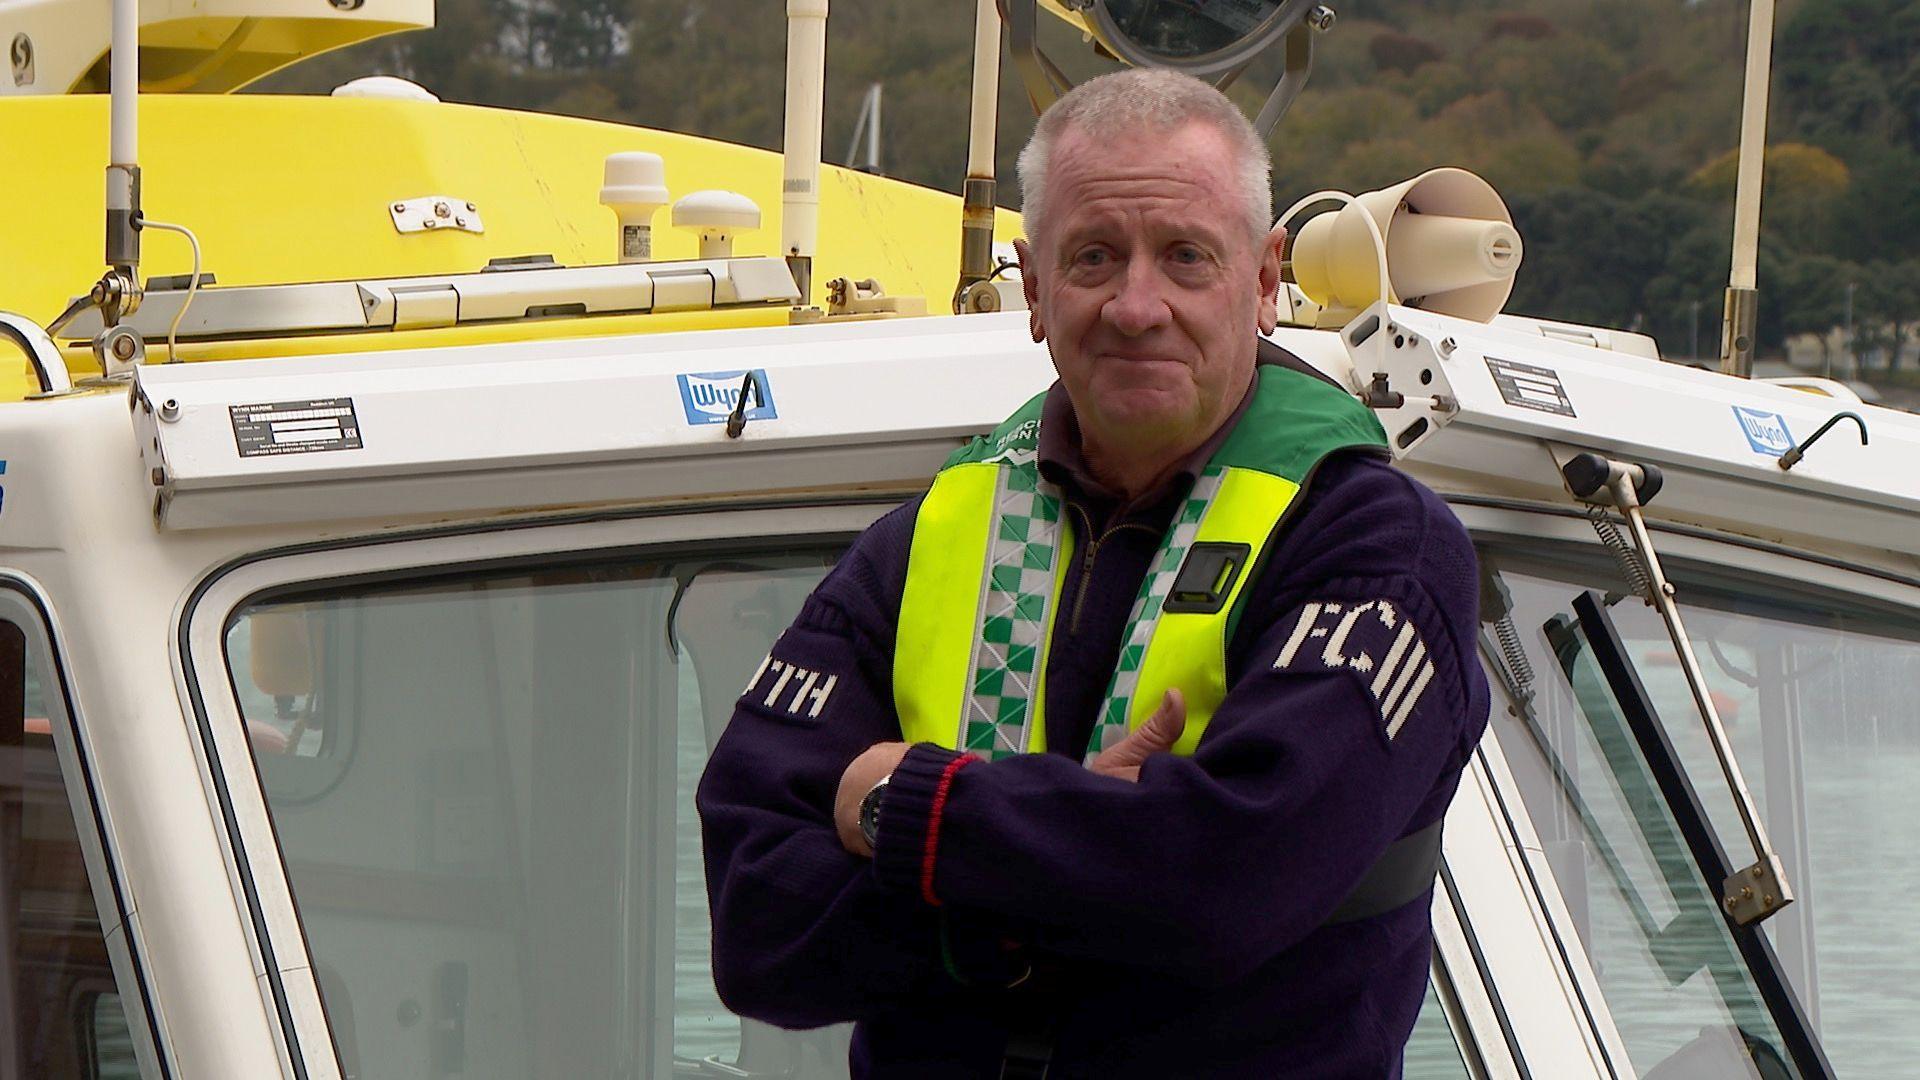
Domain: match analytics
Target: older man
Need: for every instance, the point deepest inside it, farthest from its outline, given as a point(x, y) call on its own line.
point(1144, 717)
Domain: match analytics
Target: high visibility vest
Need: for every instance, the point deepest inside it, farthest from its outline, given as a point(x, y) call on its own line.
point(990, 551)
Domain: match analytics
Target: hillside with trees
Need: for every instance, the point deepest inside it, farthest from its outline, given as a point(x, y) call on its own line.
point(1610, 127)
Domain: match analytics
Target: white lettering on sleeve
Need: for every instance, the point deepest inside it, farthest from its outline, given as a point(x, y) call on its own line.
point(786, 671)
point(1299, 636)
point(820, 697)
point(794, 705)
point(1385, 646)
point(757, 672)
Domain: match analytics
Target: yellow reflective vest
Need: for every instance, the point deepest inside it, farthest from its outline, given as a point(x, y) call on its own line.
point(991, 547)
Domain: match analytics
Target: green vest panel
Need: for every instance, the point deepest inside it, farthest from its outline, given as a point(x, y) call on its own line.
point(988, 560)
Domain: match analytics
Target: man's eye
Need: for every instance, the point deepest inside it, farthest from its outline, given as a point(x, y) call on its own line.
point(1188, 255)
point(1092, 256)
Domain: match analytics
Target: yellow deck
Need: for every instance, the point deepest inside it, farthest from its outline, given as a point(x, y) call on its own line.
point(290, 189)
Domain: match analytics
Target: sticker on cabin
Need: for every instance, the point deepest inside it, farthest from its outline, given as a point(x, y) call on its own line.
point(710, 397)
point(295, 427)
point(1372, 639)
point(1766, 431)
point(1530, 387)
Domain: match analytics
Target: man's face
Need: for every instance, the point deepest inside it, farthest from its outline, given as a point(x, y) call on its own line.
point(1146, 286)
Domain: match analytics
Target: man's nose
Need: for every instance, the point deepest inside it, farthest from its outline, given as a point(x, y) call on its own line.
point(1141, 303)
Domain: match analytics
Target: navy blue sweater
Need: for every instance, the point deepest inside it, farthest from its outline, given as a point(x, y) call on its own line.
point(1177, 921)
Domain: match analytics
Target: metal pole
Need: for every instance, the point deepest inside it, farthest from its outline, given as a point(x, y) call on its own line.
point(1750, 893)
point(118, 293)
point(1693, 331)
point(806, 102)
point(1742, 305)
point(977, 196)
point(1853, 362)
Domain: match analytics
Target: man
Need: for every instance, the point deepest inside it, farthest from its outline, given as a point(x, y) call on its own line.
point(1188, 573)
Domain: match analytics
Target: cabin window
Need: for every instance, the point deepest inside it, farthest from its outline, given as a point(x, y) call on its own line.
point(483, 787)
point(1817, 693)
point(63, 1020)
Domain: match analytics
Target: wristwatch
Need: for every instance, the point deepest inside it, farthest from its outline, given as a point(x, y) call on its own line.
point(870, 812)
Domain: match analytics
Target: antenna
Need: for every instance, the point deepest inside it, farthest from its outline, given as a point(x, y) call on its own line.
point(118, 292)
point(975, 292)
point(1743, 298)
point(800, 152)
point(867, 129)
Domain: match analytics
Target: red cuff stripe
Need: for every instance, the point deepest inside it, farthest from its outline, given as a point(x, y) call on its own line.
point(933, 825)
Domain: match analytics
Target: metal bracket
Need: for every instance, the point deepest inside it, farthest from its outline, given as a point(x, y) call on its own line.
point(434, 213)
point(1756, 892)
point(1402, 375)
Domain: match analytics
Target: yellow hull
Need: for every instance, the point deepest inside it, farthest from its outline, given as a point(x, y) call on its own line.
point(297, 189)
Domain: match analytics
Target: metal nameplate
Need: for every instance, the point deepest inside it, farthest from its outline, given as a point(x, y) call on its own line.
point(294, 427)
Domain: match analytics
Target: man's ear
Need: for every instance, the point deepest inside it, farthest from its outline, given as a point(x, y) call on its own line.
point(1030, 287)
point(1268, 309)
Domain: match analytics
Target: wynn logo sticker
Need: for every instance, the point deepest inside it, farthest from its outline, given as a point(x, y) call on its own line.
point(710, 397)
point(1766, 431)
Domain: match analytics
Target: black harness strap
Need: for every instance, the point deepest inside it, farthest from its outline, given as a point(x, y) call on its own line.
point(1401, 875)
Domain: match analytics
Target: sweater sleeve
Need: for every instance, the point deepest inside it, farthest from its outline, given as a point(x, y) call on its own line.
point(1344, 728)
point(803, 933)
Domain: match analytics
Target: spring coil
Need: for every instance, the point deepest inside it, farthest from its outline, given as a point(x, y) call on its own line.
point(1630, 563)
point(1519, 668)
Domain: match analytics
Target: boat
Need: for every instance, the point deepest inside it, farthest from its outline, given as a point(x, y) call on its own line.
point(374, 582)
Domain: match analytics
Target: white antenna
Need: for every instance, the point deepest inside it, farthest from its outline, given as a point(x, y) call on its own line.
point(119, 291)
point(806, 101)
point(867, 128)
point(1736, 335)
point(974, 292)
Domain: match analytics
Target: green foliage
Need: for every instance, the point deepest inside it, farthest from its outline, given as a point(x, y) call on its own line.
point(1609, 128)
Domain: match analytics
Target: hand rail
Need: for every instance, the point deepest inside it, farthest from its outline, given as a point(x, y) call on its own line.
point(41, 352)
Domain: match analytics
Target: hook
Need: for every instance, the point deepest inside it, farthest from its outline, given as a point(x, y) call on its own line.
point(737, 420)
point(1793, 455)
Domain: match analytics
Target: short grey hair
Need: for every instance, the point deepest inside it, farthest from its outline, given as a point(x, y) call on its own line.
point(1149, 99)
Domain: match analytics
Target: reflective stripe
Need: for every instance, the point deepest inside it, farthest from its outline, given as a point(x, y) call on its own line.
point(939, 609)
point(1188, 649)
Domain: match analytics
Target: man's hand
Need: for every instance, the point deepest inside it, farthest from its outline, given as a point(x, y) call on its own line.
point(874, 764)
point(1124, 758)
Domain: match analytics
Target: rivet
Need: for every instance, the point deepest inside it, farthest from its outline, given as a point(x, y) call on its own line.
point(1757, 872)
point(1767, 900)
point(170, 410)
point(123, 347)
point(470, 206)
point(441, 209)
point(1746, 893)
point(460, 221)
point(399, 208)
point(431, 223)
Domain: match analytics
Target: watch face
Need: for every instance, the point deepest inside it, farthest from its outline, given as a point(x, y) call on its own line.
point(870, 812)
